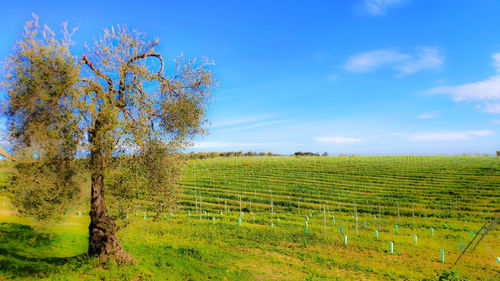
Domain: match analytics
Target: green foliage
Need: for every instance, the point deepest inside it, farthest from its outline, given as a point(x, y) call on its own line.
point(160, 171)
point(40, 81)
point(150, 179)
point(44, 190)
point(41, 110)
point(114, 103)
point(451, 275)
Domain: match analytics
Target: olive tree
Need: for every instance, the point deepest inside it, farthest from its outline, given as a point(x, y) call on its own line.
point(115, 106)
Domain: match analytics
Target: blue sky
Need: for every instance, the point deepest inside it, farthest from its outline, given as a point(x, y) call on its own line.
point(360, 76)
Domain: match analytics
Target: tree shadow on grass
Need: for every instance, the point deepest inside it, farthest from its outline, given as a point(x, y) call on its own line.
point(26, 252)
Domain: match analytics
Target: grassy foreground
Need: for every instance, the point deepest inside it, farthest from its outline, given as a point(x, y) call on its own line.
point(440, 200)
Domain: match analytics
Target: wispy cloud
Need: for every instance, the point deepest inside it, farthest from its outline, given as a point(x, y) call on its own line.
point(379, 7)
point(215, 144)
point(482, 133)
point(336, 139)
point(256, 125)
point(492, 108)
point(496, 61)
point(424, 58)
point(487, 91)
point(369, 61)
point(447, 136)
point(241, 120)
point(429, 115)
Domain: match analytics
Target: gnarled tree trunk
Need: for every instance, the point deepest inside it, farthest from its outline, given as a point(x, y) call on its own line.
point(103, 241)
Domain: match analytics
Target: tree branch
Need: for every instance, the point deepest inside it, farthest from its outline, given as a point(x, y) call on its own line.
point(123, 73)
point(98, 88)
point(86, 61)
point(143, 56)
point(7, 155)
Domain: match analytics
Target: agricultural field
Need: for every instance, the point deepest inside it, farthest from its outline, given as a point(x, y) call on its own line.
point(285, 218)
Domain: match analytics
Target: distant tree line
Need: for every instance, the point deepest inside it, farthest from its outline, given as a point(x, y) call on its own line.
point(300, 153)
point(214, 154)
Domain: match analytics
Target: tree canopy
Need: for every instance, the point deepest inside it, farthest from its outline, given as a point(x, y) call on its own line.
point(113, 109)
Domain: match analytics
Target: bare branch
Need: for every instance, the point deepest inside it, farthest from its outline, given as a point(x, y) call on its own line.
point(86, 61)
point(123, 73)
point(143, 56)
point(7, 155)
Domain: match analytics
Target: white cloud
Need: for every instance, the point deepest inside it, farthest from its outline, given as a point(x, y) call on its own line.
point(487, 90)
point(336, 139)
point(256, 125)
point(369, 61)
point(215, 144)
point(424, 58)
point(379, 7)
point(428, 115)
point(482, 133)
point(492, 108)
point(496, 61)
point(449, 136)
point(241, 120)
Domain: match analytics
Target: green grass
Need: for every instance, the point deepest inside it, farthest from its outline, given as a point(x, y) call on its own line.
point(453, 195)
